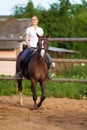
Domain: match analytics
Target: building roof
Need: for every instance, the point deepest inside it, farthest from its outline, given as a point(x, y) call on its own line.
point(4, 17)
point(13, 28)
point(55, 49)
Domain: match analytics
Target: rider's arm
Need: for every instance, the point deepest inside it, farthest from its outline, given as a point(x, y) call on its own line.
point(27, 40)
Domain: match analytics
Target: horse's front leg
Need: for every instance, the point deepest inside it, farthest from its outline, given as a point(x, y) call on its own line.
point(19, 82)
point(33, 88)
point(42, 84)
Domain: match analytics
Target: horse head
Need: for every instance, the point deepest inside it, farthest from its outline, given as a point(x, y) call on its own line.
point(42, 45)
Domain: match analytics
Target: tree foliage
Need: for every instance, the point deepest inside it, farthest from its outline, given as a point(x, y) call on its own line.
point(62, 20)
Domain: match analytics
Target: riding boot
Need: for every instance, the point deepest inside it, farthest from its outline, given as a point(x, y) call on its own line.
point(48, 76)
point(48, 61)
point(19, 74)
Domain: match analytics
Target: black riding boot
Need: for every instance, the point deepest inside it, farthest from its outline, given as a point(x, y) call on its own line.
point(19, 74)
point(48, 61)
point(48, 77)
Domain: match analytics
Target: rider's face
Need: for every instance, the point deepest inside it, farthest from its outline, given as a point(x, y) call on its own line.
point(34, 21)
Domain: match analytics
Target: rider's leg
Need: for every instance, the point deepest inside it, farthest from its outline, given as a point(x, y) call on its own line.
point(19, 74)
point(23, 61)
point(48, 61)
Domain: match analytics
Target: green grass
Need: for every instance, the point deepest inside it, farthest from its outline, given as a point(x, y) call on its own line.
point(53, 89)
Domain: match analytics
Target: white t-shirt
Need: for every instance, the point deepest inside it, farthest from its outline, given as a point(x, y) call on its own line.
point(32, 35)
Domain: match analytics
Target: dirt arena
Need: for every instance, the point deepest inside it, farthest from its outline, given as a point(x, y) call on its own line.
point(54, 114)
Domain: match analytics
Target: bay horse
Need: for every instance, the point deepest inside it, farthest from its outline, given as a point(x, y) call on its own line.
point(36, 70)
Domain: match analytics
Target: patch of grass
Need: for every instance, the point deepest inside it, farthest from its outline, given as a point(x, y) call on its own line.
point(53, 89)
point(7, 88)
point(70, 90)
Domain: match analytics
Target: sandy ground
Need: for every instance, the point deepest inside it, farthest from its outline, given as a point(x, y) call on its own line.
point(54, 114)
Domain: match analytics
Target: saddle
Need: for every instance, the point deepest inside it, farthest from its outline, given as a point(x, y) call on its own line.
point(28, 57)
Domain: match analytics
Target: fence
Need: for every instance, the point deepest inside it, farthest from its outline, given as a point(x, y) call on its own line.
point(49, 39)
point(54, 60)
point(53, 79)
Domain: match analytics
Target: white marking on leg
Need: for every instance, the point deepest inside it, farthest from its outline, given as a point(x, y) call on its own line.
point(20, 98)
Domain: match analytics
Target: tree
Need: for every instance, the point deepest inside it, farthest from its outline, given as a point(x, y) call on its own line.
point(18, 11)
point(29, 10)
point(24, 12)
point(62, 19)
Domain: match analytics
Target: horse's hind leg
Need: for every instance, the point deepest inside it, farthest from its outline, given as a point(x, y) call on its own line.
point(43, 93)
point(19, 85)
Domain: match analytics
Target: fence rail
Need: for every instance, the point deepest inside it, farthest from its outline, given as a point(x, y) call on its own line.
point(54, 60)
point(70, 60)
point(49, 39)
point(7, 59)
point(51, 80)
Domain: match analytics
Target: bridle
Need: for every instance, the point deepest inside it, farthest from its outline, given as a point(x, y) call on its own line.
point(42, 49)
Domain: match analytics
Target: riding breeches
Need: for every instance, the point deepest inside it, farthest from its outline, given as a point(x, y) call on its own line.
point(26, 55)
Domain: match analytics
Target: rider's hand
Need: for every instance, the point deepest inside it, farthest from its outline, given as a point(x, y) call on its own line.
point(29, 46)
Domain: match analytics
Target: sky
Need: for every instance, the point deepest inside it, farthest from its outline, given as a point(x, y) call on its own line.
point(7, 5)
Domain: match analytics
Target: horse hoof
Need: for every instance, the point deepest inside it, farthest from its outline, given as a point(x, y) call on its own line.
point(39, 104)
point(35, 107)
